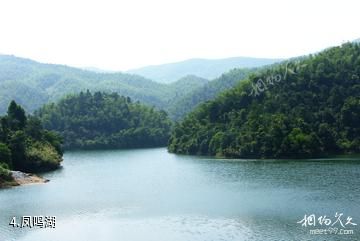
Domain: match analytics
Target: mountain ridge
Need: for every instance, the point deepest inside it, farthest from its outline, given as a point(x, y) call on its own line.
point(204, 68)
point(33, 84)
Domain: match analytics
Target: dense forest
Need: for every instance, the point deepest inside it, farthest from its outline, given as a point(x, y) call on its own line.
point(181, 106)
point(25, 145)
point(99, 120)
point(304, 108)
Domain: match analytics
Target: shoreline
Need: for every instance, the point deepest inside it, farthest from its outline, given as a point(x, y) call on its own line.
point(22, 178)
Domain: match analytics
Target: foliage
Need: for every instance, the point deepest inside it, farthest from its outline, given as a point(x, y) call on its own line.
point(25, 145)
point(5, 154)
point(100, 120)
point(313, 111)
point(42, 156)
point(32, 84)
point(16, 116)
point(181, 106)
point(5, 174)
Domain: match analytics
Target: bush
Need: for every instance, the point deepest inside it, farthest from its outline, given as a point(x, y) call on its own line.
point(5, 174)
point(5, 154)
point(42, 157)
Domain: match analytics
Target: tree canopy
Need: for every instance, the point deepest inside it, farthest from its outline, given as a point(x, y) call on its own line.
point(25, 145)
point(99, 120)
point(181, 106)
point(302, 108)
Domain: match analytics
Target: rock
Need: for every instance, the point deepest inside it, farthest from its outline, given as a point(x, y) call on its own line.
point(27, 178)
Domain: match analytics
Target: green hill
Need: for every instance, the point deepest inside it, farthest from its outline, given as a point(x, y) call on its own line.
point(33, 84)
point(25, 145)
point(304, 108)
point(183, 87)
point(205, 68)
point(100, 120)
point(185, 104)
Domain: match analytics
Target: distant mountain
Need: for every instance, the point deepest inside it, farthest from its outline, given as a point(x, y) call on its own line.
point(205, 68)
point(98, 70)
point(357, 40)
point(32, 84)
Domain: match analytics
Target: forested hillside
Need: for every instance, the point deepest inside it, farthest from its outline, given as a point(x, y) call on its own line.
point(306, 108)
point(25, 145)
point(185, 104)
point(182, 88)
point(205, 68)
point(33, 84)
point(100, 120)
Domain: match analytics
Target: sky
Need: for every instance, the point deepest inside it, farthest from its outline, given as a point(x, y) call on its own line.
point(126, 34)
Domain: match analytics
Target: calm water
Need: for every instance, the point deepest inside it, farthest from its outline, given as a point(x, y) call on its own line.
point(150, 195)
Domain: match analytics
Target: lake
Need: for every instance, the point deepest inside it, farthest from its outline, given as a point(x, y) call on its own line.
point(151, 195)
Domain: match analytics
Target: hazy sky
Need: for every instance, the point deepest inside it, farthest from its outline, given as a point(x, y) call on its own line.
point(123, 34)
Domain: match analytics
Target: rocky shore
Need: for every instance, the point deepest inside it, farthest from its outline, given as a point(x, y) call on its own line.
point(22, 178)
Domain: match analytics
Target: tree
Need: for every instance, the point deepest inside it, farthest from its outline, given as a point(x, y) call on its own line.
point(34, 128)
point(24, 145)
point(17, 147)
point(5, 154)
point(16, 116)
